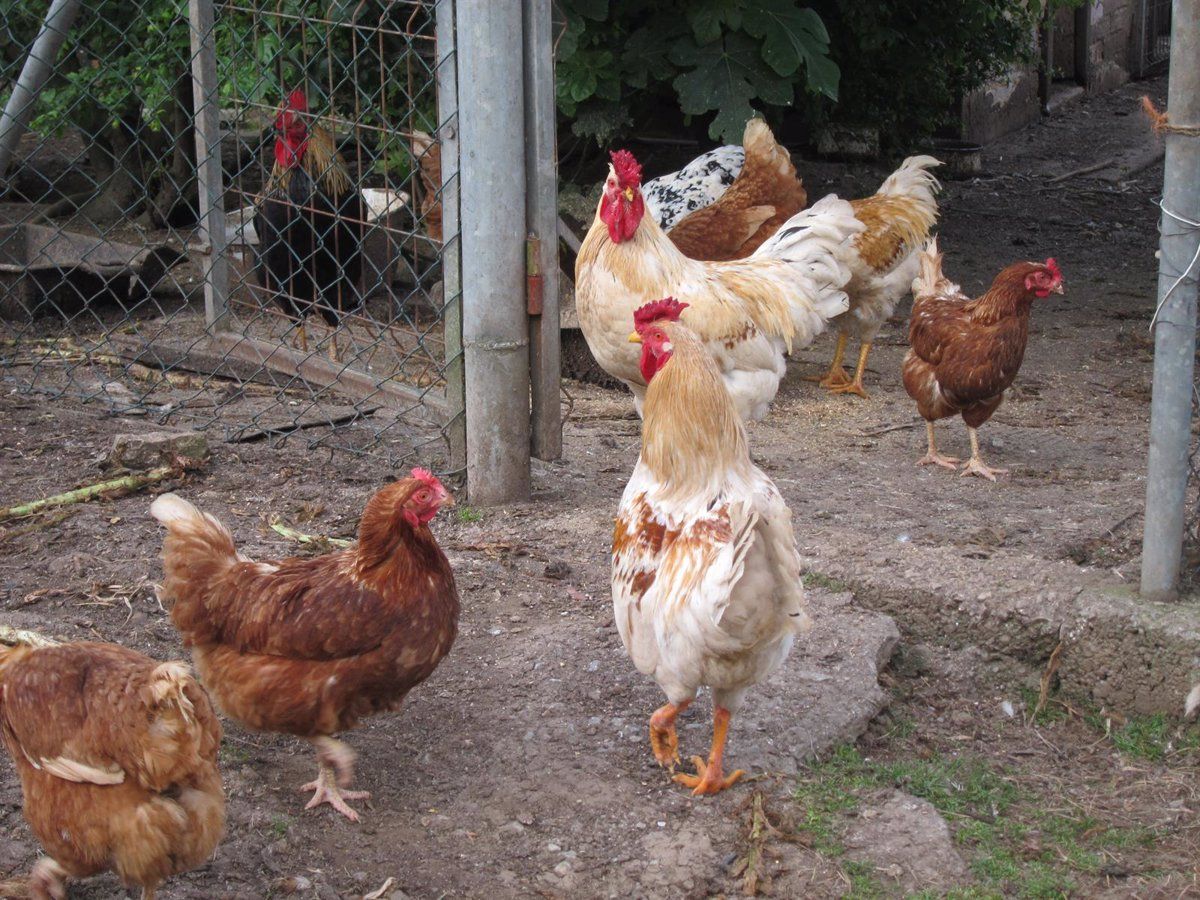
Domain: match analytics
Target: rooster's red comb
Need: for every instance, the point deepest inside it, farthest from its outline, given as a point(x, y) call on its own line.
point(629, 171)
point(1052, 266)
point(296, 101)
point(668, 309)
point(426, 476)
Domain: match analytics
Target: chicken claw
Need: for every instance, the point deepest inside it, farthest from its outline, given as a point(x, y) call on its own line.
point(710, 779)
point(663, 739)
point(47, 881)
point(975, 466)
point(327, 791)
point(933, 458)
point(847, 387)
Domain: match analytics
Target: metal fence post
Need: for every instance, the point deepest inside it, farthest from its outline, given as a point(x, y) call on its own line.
point(209, 174)
point(38, 66)
point(541, 218)
point(1175, 331)
point(447, 103)
point(491, 149)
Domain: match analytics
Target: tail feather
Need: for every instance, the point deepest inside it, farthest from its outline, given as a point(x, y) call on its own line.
point(914, 180)
point(196, 551)
point(179, 736)
point(930, 281)
point(816, 244)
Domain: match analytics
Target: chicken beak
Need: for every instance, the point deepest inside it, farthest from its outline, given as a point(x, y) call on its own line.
point(448, 502)
point(1059, 288)
point(634, 337)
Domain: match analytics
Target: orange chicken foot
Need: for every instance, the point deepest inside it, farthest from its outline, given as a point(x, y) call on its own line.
point(932, 457)
point(855, 385)
point(710, 777)
point(975, 465)
point(48, 880)
point(335, 770)
point(836, 375)
point(663, 739)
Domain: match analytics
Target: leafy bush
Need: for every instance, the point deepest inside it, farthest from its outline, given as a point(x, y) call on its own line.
point(900, 65)
point(618, 61)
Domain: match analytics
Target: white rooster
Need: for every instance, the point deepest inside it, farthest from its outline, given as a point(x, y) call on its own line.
point(748, 312)
point(706, 577)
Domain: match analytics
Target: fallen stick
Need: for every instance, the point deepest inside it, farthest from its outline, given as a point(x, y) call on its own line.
point(301, 538)
point(1086, 170)
point(90, 492)
point(888, 429)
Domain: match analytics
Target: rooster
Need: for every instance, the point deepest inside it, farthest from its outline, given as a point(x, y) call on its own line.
point(705, 572)
point(749, 313)
point(896, 222)
point(117, 756)
point(310, 223)
point(965, 353)
point(765, 194)
point(309, 646)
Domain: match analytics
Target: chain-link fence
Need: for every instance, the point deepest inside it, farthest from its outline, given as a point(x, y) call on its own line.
point(1152, 34)
point(299, 280)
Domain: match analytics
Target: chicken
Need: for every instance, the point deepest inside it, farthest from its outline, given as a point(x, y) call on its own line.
point(748, 312)
point(896, 220)
point(117, 756)
point(428, 154)
point(310, 646)
point(765, 194)
point(671, 197)
point(705, 572)
point(310, 223)
point(965, 353)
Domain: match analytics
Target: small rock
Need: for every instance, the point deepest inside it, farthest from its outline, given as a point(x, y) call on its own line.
point(563, 869)
point(510, 830)
point(557, 570)
point(139, 452)
point(910, 844)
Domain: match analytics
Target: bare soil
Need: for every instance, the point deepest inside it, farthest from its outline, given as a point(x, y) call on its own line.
point(521, 768)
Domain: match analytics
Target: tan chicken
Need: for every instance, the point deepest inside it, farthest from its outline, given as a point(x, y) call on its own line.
point(896, 223)
point(117, 756)
point(765, 194)
point(705, 571)
point(428, 154)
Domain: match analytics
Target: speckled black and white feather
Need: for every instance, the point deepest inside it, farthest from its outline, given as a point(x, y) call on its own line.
point(698, 184)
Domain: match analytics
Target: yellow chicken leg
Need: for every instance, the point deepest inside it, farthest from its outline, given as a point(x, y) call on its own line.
point(975, 465)
point(710, 777)
point(663, 739)
point(335, 770)
point(856, 385)
point(932, 457)
point(836, 374)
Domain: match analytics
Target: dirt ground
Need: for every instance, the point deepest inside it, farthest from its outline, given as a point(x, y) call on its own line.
point(521, 767)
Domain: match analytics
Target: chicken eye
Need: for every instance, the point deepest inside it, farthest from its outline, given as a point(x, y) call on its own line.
point(423, 495)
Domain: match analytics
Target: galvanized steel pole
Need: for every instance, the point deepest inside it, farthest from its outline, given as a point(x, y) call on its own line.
point(38, 66)
point(1175, 328)
point(491, 132)
point(210, 180)
point(541, 214)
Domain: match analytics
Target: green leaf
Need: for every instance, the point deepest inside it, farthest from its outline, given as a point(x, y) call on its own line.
point(725, 76)
point(793, 37)
point(644, 58)
point(709, 18)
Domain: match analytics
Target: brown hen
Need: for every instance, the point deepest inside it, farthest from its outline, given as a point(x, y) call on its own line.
point(310, 646)
point(765, 194)
point(117, 756)
point(965, 353)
